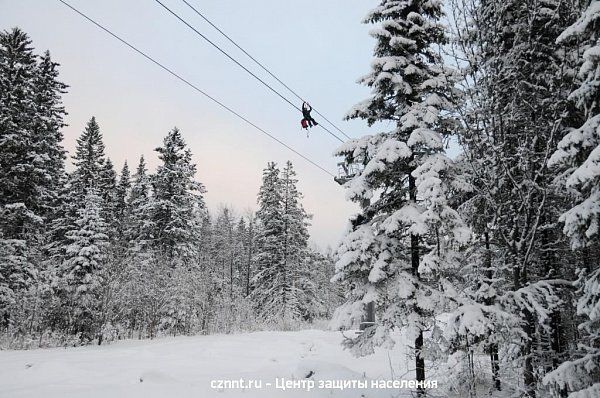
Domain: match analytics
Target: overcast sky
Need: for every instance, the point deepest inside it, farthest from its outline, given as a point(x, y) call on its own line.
point(318, 47)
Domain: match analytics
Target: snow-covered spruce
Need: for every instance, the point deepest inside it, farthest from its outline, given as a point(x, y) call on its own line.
point(578, 159)
point(516, 84)
point(400, 249)
point(31, 172)
point(282, 287)
point(82, 274)
point(578, 153)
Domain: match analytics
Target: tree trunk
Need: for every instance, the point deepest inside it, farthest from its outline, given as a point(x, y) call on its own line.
point(249, 262)
point(493, 349)
point(529, 378)
point(414, 255)
point(495, 366)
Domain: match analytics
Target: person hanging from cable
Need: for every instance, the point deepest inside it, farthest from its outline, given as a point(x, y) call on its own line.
point(306, 109)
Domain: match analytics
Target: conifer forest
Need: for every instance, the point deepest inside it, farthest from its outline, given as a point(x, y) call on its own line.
point(470, 265)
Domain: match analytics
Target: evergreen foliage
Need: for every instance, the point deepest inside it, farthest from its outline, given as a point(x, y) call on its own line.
point(176, 200)
point(31, 162)
point(397, 251)
point(283, 291)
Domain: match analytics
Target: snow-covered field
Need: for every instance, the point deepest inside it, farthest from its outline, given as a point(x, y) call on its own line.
point(186, 367)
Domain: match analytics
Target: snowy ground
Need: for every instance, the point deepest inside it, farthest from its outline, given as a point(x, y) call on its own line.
point(185, 367)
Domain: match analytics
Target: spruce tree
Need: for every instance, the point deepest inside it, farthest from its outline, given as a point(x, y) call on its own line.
point(295, 241)
point(282, 286)
point(240, 250)
point(89, 159)
point(31, 163)
point(224, 256)
point(137, 230)
point(107, 187)
point(578, 153)
point(326, 295)
point(18, 70)
point(270, 281)
point(518, 116)
point(578, 160)
point(144, 278)
point(82, 270)
point(396, 250)
point(47, 126)
point(248, 238)
point(122, 206)
point(177, 198)
point(48, 136)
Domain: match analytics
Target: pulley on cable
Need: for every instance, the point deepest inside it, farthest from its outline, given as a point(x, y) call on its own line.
point(350, 168)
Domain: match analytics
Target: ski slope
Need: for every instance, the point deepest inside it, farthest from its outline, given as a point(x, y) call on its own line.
point(187, 366)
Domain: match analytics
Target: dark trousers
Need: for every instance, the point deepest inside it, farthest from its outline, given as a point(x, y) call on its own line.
point(310, 120)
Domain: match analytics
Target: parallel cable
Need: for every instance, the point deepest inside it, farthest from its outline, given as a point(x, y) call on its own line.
point(239, 64)
point(222, 105)
point(257, 62)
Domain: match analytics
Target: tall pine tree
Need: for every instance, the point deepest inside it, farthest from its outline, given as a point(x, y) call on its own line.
point(82, 270)
point(396, 251)
point(270, 282)
point(176, 199)
point(578, 159)
point(295, 250)
point(31, 161)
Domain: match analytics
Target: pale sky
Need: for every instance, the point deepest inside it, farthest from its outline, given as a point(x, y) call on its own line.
point(318, 47)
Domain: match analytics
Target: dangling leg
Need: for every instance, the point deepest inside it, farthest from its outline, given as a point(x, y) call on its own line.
point(314, 122)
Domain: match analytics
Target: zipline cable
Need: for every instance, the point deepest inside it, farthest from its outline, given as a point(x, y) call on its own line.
point(257, 62)
point(222, 105)
point(240, 65)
